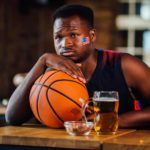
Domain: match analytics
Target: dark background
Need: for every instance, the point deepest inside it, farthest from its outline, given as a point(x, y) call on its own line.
point(26, 33)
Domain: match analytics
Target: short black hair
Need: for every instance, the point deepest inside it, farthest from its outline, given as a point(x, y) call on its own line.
point(83, 12)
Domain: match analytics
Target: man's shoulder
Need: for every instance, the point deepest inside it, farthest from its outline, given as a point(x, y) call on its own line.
point(114, 52)
point(111, 52)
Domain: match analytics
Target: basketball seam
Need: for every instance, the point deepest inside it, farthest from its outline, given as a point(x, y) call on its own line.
point(59, 93)
point(50, 103)
point(52, 106)
point(36, 87)
point(45, 80)
point(63, 93)
point(66, 96)
point(50, 88)
point(66, 80)
point(37, 109)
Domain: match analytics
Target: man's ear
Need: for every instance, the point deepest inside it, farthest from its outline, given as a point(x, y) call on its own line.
point(93, 34)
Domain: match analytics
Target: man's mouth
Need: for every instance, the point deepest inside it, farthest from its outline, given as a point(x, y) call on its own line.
point(67, 53)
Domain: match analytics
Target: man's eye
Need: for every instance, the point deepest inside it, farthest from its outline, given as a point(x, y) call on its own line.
point(73, 35)
point(58, 37)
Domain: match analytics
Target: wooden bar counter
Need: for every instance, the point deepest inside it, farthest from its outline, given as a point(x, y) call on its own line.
point(39, 136)
point(138, 140)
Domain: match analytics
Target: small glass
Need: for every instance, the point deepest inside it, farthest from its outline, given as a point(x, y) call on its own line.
point(78, 127)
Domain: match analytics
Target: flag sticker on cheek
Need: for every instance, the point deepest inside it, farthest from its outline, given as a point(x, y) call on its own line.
point(85, 40)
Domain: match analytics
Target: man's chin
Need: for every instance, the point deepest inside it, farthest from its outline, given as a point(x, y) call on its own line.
point(74, 59)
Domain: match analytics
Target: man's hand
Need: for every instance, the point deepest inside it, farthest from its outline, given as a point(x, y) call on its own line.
point(64, 64)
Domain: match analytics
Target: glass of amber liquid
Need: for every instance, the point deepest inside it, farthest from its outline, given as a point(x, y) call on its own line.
point(106, 104)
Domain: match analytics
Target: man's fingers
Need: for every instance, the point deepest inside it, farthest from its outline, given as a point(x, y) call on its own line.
point(71, 68)
point(75, 71)
point(79, 65)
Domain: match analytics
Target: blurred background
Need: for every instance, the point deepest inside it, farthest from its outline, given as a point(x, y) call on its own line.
point(26, 32)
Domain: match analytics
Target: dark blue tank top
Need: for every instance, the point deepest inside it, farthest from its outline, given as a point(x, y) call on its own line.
point(108, 76)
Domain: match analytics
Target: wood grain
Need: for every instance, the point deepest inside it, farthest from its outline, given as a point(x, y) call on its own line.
point(138, 140)
point(42, 136)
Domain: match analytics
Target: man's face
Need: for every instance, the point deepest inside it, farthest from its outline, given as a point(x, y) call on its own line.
point(73, 38)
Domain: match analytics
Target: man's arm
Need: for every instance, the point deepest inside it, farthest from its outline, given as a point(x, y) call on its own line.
point(137, 76)
point(18, 110)
point(135, 119)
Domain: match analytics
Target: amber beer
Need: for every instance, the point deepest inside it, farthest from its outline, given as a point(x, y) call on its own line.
point(106, 115)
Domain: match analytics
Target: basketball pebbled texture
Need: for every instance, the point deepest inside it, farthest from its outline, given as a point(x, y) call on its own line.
point(54, 98)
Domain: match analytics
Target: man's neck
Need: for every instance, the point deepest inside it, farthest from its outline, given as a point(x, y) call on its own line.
point(89, 65)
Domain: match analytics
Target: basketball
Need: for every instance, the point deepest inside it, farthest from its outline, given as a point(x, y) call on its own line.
point(54, 98)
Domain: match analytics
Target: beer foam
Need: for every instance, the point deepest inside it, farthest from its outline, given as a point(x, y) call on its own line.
point(105, 99)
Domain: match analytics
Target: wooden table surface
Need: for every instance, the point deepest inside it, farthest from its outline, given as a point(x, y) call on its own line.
point(138, 140)
point(29, 135)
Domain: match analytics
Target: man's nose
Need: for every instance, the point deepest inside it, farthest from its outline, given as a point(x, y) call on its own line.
point(67, 42)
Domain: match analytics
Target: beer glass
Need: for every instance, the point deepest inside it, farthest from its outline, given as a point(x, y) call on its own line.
point(106, 104)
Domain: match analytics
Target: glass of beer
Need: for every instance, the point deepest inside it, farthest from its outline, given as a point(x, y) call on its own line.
point(106, 104)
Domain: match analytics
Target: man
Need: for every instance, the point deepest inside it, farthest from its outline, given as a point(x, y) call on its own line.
point(74, 37)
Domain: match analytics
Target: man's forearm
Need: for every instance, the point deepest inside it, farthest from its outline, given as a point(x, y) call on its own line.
point(18, 109)
point(135, 119)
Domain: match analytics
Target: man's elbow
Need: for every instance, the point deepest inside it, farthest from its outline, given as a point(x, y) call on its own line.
point(11, 120)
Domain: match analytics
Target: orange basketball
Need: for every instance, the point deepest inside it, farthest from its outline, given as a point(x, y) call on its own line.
point(54, 98)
